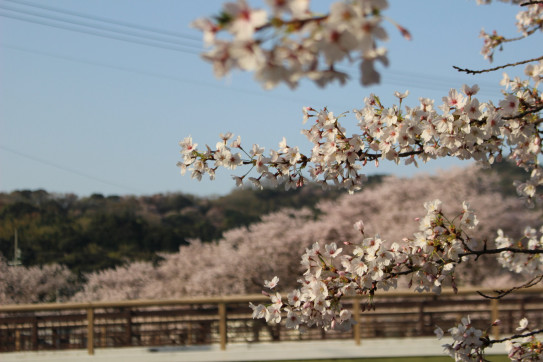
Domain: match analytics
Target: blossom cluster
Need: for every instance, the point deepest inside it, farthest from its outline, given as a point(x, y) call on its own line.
point(290, 41)
point(528, 348)
point(428, 260)
point(527, 264)
point(468, 343)
point(528, 21)
point(461, 126)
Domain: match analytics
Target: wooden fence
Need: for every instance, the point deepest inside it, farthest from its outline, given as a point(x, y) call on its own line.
point(192, 321)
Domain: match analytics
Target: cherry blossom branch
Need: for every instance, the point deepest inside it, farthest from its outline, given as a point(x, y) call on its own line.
point(301, 41)
point(466, 129)
point(429, 259)
point(293, 23)
point(526, 34)
point(525, 113)
point(516, 336)
point(469, 71)
point(469, 343)
point(531, 3)
point(503, 293)
point(376, 156)
point(501, 250)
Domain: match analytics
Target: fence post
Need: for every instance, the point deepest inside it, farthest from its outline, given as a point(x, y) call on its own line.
point(129, 328)
point(17, 340)
point(90, 330)
point(356, 316)
point(495, 315)
point(103, 337)
point(421, 318)
point(222, 325)
point(35, 333)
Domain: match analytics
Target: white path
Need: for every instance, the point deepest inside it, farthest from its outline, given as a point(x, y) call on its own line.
point(390, 347)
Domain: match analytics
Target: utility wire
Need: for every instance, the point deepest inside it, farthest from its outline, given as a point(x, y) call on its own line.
point(67, 169)
point(62, 19)
point(249, 92)
point(107, 20)
point(103, 35)
point(287, 98)
point(390, 80)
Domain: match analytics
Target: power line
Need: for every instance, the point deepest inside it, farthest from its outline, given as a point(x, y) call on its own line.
point(104, 35)
point(67, 169)
point(162, 76)
point(107, 20)
point(387, 80)
point(152, 37)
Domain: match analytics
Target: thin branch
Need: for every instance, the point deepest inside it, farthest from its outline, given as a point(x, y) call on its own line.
point(379, 155)
point(500, 250)
point(531, 3)
point(503, 293)
point(296, 23)
point(527, 34)
point(510, 40)
point(525, 113)
point(515, 336)
point(469, 71)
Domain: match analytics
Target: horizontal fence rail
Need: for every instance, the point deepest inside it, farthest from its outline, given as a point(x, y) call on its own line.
point(193, 321)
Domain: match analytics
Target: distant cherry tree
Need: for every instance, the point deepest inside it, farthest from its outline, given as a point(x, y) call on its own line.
point(34, 284)
point(119, 283)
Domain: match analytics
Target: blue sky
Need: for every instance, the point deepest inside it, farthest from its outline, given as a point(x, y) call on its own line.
point(100, 111)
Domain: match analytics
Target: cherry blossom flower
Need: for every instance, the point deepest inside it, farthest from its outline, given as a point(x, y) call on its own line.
point(272, 283)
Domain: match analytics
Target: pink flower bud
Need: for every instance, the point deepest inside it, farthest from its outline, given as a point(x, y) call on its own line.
point(359, 225)
point(405, 33)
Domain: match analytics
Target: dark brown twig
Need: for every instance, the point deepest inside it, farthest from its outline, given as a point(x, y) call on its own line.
point(503, 293)
point(525, 113)
point(501, 250)
point(296, 23)
point(492, 341)
point(469, 71)
point(531, 3)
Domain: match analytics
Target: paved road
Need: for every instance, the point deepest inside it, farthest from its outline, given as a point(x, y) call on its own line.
point(390, 347)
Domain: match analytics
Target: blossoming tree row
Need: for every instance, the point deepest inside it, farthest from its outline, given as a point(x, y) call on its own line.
point(272, 247)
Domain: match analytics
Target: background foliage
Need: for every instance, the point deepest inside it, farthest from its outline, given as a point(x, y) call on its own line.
point(175, 245)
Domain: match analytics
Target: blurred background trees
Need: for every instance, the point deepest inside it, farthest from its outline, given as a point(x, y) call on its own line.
point(98, 232)
point(174, 245)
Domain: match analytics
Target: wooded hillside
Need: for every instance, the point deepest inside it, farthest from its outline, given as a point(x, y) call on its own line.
point(98, 232)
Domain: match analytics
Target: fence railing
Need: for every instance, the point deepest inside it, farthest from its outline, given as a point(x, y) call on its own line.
point(225, 320)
